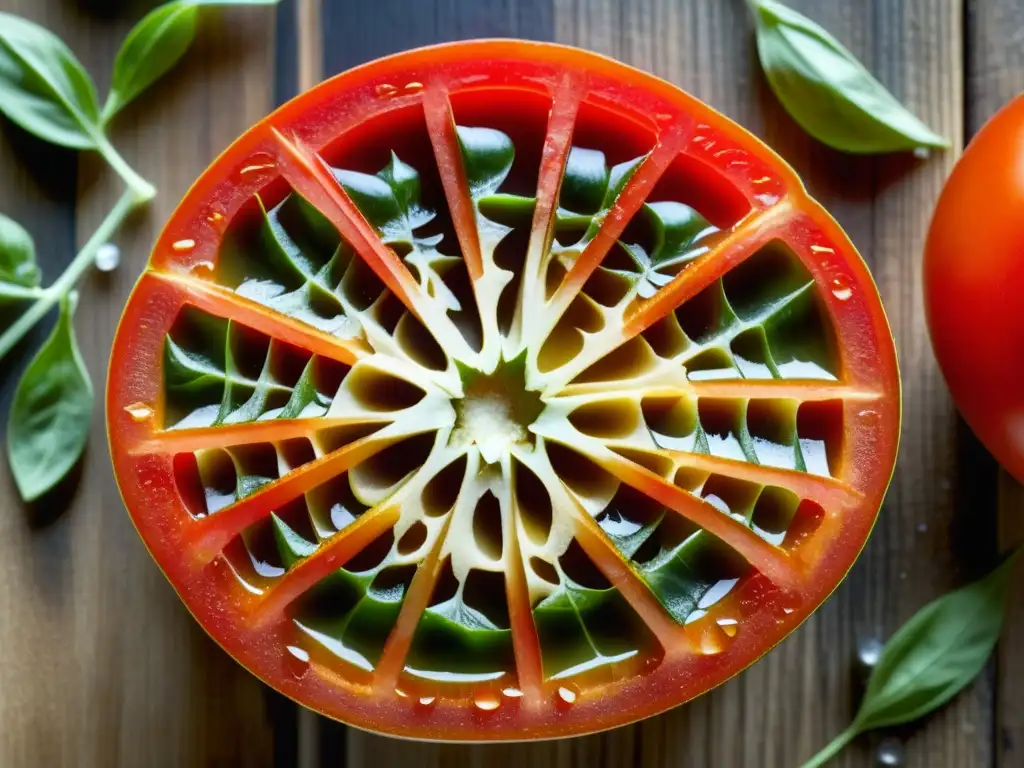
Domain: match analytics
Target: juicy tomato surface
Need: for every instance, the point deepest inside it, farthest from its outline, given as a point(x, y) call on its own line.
point(973, 273)
point(499, 391)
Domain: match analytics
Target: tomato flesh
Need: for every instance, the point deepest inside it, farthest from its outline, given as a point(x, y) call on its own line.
point(500, 391)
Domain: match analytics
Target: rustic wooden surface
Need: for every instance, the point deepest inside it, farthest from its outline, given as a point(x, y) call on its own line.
point(102, 666)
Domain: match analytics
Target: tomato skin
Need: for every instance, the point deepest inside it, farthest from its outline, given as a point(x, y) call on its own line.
point(973, 273)
point(208, 588)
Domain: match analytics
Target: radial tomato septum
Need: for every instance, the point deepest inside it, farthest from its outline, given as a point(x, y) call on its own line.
point(500, 391)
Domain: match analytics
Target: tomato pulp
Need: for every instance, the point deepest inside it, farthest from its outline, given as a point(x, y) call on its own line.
point(973, 270)
point(498, 390)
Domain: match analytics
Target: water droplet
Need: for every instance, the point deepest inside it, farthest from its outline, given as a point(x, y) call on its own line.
point(841, 288)
point(215, 218)
point(922, 527)
point(108, 256)
point(512, 693)
point(922, 153)
point(889, 753)
point(401, 694)
point(729, 626)
point(787, 610)
point(426, 701)
point(567, 696)
point(822, 249)
point(139, 411)
point(261, 161)
point(183, 245)
point(486, 701)
point(385, 90)
point(297, 660)
point(413, 87)
point(869, 651)
point(202, 269)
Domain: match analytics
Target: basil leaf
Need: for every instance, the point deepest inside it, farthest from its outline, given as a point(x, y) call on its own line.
point(152, 47)
point(937, 653)
point(44, 88)
point(17, 255)
point(50, 416)
point(827, 91)
point(931, 658)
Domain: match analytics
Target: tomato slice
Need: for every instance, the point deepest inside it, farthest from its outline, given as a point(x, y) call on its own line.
point(498, 390)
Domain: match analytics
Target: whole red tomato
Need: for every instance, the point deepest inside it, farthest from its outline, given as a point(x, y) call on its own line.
point(974, 285)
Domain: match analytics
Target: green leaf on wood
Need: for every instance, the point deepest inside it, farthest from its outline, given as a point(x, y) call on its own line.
point(931, 658)
point(153, 46)
point(44, 88)
point(49, 421)
point(18, 269)
point(828, 91)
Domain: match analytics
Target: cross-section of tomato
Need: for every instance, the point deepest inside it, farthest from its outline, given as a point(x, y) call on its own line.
point(500, 391)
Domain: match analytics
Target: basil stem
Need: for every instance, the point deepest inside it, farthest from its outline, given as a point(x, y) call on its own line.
point(141, 190)
point(85, 257)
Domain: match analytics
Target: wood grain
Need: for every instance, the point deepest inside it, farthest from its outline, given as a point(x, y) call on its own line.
point(995, 74)
point(102, 665)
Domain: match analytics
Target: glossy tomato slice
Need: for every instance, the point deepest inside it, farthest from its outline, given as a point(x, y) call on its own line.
point(500, 391)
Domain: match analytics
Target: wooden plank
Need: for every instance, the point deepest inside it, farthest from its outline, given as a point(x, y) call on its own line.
point(103, 666)
point(791, 703)
point(995, 74)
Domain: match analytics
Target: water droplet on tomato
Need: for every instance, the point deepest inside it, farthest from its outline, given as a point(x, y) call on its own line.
point(512, 693)
point(841, 288)
point(139, 411)
point(215, 218)
point(401, 694)
point(413, 87)
point(567, 696)
point(729, 626)
point(202, 269)
point(183, 246)
point(259, 162)
point(486, 701)
point(386, 90)
point(297, 660)
point(108, 256)
point(889, 753)
point(427, 702)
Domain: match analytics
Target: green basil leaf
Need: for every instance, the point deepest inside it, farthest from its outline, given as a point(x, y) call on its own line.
point(152, 47)
point(44, 88)
point(17, 255)
point(49, 421)
point(827, 91)
point(937, 653)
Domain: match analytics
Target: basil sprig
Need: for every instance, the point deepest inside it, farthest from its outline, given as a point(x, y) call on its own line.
point(931, 658)
point(46, 90)
point(827, 91)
